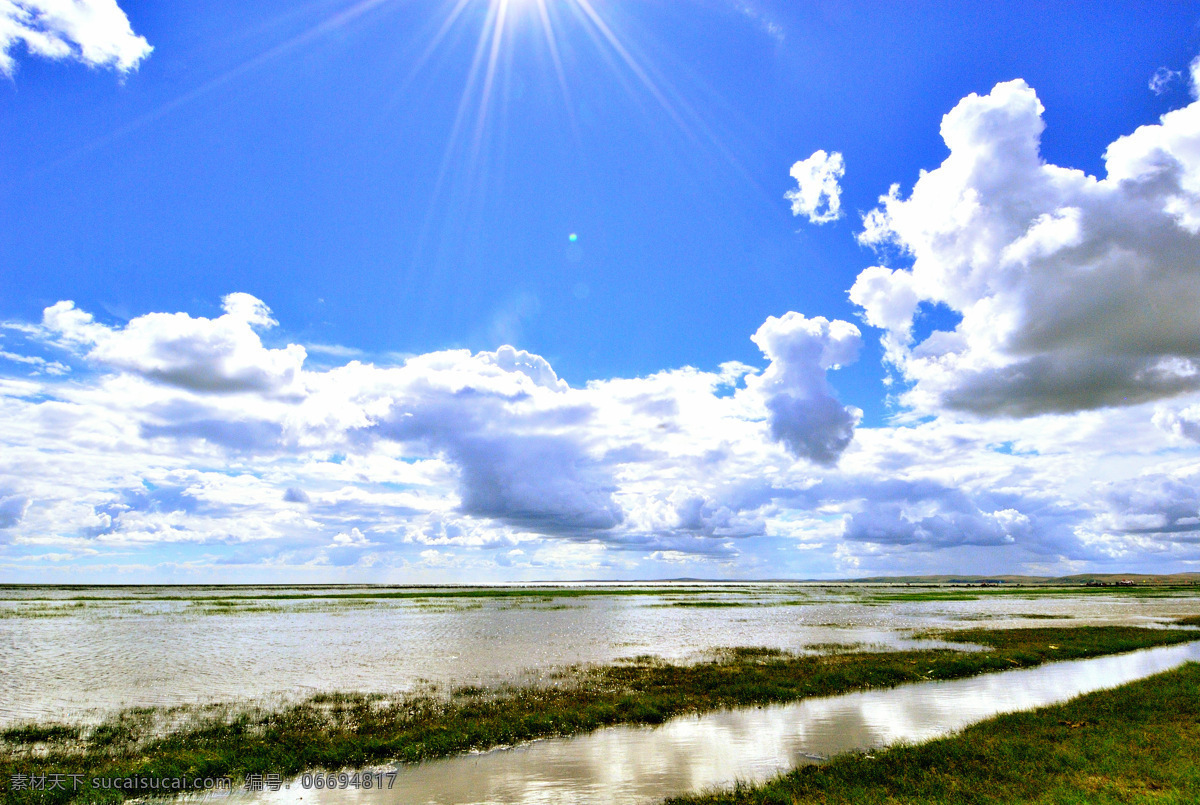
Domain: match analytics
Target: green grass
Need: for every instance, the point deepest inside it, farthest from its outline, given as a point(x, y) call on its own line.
point(342, 730)
point(1135, 744)
point(42, 610)
point(737, 602)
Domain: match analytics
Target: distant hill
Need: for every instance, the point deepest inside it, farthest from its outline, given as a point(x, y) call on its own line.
point(1079, 578)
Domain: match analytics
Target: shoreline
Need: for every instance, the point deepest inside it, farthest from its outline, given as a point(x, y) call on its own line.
point(1133, 743)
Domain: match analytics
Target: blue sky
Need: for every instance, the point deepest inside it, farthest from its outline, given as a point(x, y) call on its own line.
point(389, 191)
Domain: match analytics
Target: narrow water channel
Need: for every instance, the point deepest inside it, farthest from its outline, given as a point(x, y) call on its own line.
point(690, 753)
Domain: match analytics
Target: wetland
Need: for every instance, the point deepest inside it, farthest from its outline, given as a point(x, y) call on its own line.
point(242, 681)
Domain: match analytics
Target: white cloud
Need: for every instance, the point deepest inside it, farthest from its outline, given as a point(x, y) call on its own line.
point(354, 538)
point(1182, 423)
point(491, 447)
point(1074, 292)
point(490, 466)
point(1162, 79)
point(818, 196)
point(1154, 514)
point(95, 32)
point(39, 364)
point(224, 354)
point(804, 413)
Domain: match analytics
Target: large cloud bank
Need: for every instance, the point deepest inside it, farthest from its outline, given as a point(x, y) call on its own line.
point(449, 448)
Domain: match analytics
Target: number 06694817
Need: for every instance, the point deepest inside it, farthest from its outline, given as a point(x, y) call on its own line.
point(358, 779)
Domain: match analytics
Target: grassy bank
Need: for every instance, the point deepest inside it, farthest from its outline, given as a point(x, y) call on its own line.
point(1134, 744)
point(345, 730)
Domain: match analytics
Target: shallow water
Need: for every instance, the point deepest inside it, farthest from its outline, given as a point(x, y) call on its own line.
point(83, 653)
point(627, 765)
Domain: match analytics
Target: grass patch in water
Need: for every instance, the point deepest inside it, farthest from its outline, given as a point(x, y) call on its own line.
point(891, 598)
point(733, 602)
point(1136, 743)
point(838, 648)
point(339, 730)
point(43, 610)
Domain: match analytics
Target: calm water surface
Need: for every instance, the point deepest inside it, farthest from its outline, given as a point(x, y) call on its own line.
point(627, 765)
point(76, 655)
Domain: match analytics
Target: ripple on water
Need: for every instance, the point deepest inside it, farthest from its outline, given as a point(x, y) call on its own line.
point(163, 646)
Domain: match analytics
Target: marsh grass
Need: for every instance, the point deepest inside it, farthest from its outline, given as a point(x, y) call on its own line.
point(1133, 744)
point(843, 648)
point(339, 730)
point(42, 609)
point(725, 603)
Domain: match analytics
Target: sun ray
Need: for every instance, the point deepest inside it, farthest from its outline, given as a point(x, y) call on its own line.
point(498, 29)
point(643, 74)
point(555, 57)
point(434, 43)
point(467, 92)
point(323, 27)
point(634, 66)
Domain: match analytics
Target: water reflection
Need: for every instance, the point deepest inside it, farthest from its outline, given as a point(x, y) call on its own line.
point(643, 764)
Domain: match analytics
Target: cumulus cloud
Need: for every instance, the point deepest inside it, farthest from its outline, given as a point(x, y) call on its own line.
point(1073, 292)
point(818, 194)
point(95, 32)
point(294, 494)
point(939, 518)
point(224, 354)
point(1182, 423)
point(805, 414)
point(519, 441)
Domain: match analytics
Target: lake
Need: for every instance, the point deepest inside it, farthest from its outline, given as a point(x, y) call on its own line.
point(78, 653)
